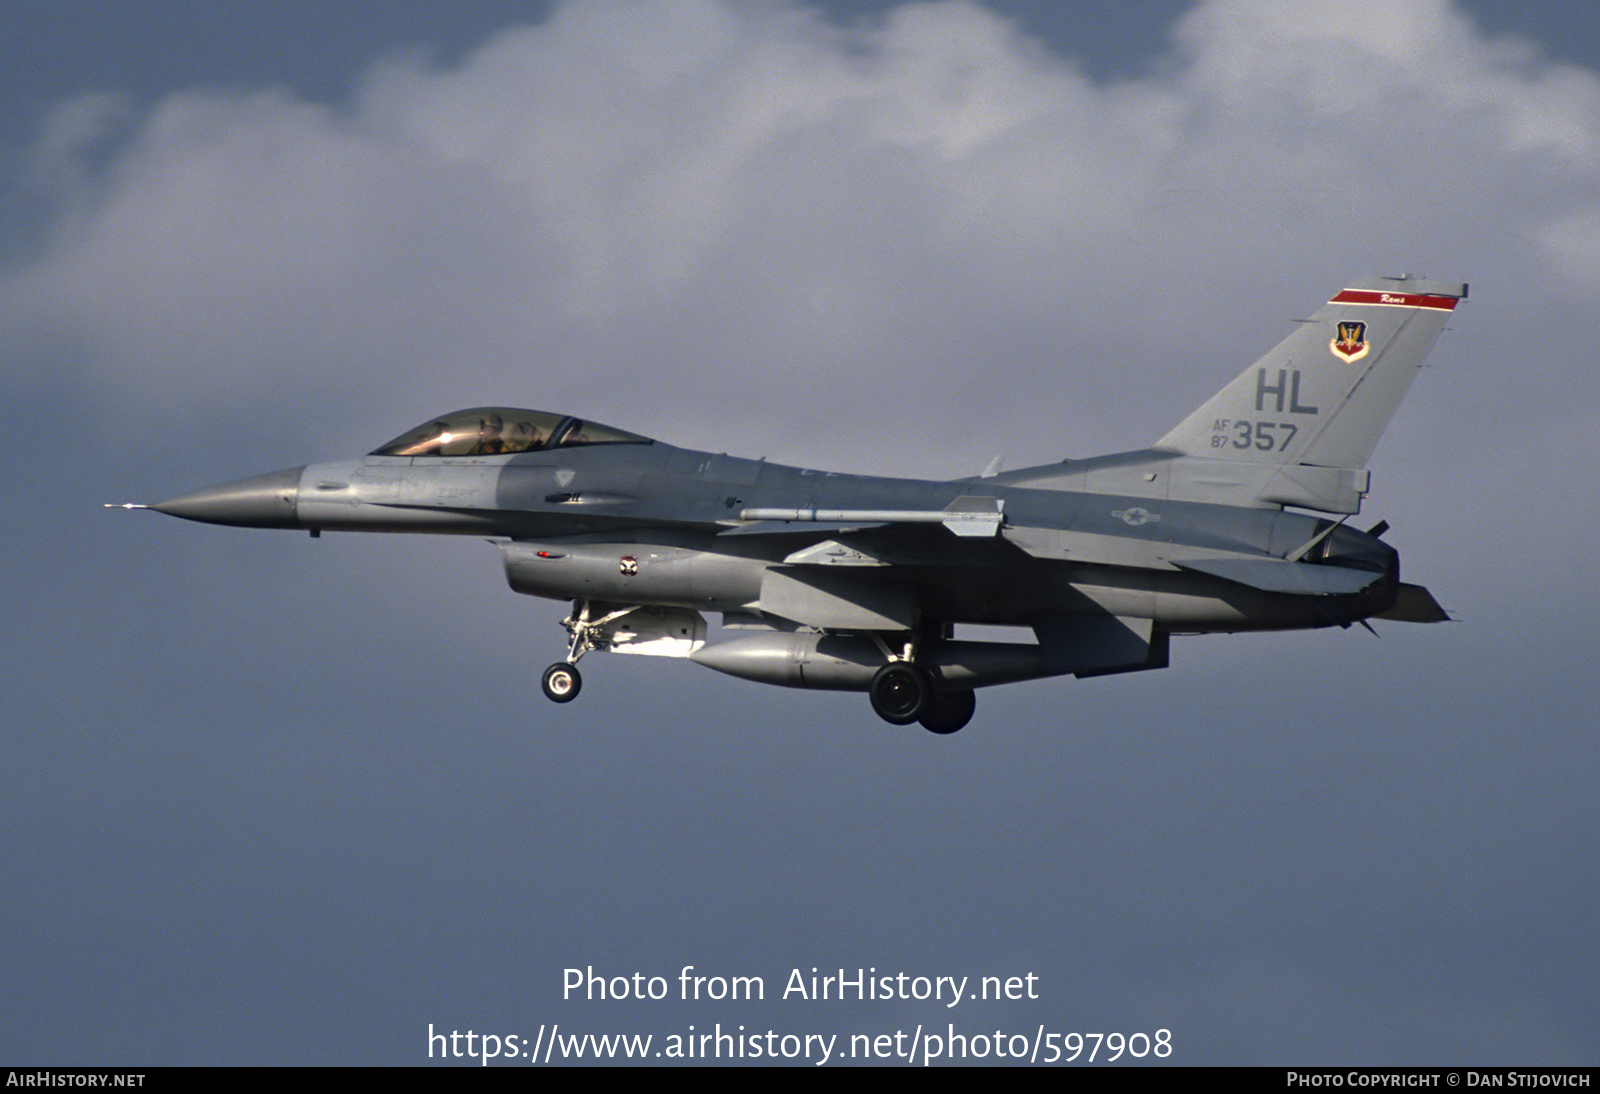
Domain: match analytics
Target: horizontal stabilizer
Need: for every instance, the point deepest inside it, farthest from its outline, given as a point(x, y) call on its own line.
point(1276, 575)
point(1415, 605)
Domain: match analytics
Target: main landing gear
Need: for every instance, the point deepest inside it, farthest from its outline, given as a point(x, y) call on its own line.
point(898, 692)
point(948, 711)
point(902, 693)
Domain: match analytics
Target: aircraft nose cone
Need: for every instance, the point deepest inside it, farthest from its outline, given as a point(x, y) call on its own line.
point(262, 501)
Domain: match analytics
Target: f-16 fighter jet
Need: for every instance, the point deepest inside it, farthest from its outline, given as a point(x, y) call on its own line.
point(1232, 521)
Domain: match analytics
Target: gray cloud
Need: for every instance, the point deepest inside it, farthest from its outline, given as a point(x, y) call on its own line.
point(678, 193)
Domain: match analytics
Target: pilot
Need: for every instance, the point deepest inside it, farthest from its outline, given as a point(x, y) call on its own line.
point(524, 438)
point(490, 442)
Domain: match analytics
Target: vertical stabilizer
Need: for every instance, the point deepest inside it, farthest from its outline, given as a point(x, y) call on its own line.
point(1324, 395)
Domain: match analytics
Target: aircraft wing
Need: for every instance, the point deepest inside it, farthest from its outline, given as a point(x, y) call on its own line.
point(885, 537)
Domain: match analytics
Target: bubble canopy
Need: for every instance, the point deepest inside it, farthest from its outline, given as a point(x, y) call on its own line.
point(502, 430)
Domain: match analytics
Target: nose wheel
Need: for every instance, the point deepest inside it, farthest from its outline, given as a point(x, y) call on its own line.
point(561, 682)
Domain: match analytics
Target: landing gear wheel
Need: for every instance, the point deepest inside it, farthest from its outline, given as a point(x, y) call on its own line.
point(948, 711)
point(899, 693)
point(561, 682)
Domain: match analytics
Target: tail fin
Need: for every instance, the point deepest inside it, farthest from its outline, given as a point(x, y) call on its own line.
point(1298, 426)
point(1324, 395)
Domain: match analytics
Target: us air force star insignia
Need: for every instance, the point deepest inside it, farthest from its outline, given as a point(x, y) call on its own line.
point(629, 565)
point(1349, 342)
point(1135, 516)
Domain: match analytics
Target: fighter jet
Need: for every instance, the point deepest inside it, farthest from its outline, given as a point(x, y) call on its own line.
point(1235, 520)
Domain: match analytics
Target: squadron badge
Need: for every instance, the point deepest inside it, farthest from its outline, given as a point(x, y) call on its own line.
point(1350, 342)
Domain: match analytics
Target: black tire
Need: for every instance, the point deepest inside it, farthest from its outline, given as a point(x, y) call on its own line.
point(948, 711)
point(899, 692)
point(561, 682)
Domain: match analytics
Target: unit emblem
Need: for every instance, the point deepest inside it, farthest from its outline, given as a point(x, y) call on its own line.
point(1350, 342)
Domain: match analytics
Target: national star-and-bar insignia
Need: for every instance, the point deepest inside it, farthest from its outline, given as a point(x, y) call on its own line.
point(1350, 342)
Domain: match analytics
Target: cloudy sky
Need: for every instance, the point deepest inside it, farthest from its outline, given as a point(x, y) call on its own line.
point(274, 799)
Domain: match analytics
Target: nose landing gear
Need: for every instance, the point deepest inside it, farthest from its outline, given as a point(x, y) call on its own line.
point(561, 682)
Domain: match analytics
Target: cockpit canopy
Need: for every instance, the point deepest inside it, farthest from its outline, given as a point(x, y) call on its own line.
point(500, 430)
